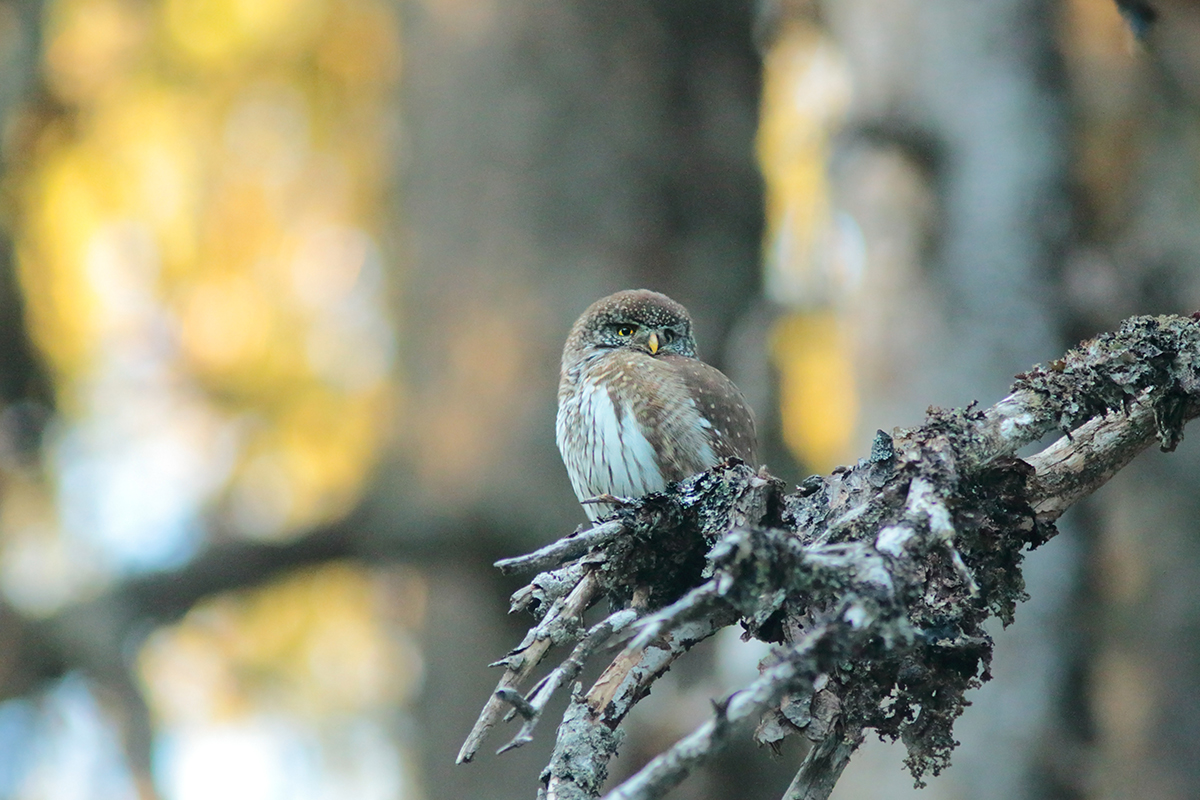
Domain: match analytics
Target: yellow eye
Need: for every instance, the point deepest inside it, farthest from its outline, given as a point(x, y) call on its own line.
point(625, 331)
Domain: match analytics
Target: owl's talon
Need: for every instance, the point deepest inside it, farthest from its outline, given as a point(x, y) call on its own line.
point(611, 500)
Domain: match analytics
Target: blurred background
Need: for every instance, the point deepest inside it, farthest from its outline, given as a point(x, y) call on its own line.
point(283, 286)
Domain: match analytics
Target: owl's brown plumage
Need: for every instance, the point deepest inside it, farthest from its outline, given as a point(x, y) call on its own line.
point(636, 408)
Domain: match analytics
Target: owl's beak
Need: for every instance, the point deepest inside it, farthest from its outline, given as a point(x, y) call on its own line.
point(652, 343)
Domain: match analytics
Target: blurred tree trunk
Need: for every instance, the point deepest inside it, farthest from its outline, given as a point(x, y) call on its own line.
point(20, 373)
point(1138, 126)
point(954, 167)
point(553, 153)
point(965, 135)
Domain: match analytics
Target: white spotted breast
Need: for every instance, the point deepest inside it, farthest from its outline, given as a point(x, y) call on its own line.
point(603, 448)
point(629, 423)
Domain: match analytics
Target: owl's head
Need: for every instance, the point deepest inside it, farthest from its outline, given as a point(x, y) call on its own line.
point(635, 318)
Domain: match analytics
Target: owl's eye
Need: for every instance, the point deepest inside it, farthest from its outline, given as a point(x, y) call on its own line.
point(625, 331)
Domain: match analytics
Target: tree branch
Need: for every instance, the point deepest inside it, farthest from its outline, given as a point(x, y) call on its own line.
point(873, 582)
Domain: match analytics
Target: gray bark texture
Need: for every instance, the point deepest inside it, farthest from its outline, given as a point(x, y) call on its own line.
point(955, 165)
point(874, 583)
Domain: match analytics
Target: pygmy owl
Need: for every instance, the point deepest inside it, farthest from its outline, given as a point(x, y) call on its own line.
point(636, 408)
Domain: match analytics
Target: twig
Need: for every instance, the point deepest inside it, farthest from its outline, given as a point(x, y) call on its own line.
point(565, 672)
point(582, 751)
point(518, 702)
point(692, 605)
point(730, 719)
point(628, 678)
point(522, 661)
point(1074, 467)
point(564, 549)
point(823, 765)
point(547, 587)
point(1019, 419)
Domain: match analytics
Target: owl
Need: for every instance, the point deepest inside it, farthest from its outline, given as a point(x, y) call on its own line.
point(637, 409)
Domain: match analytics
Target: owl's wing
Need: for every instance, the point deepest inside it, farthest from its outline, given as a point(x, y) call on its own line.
point(636, 422)
point(720, 403)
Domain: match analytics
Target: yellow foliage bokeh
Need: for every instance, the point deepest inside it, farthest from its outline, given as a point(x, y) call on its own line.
point(208, 142)
point(805, 94)
point(329, 641)
point(818, 398)
point(195, 216)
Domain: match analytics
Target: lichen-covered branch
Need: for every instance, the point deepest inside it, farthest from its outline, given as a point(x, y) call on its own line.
point(566, 671)
point(873, 583)
point(572, 546)
point(823, 765)
point(560, 623)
